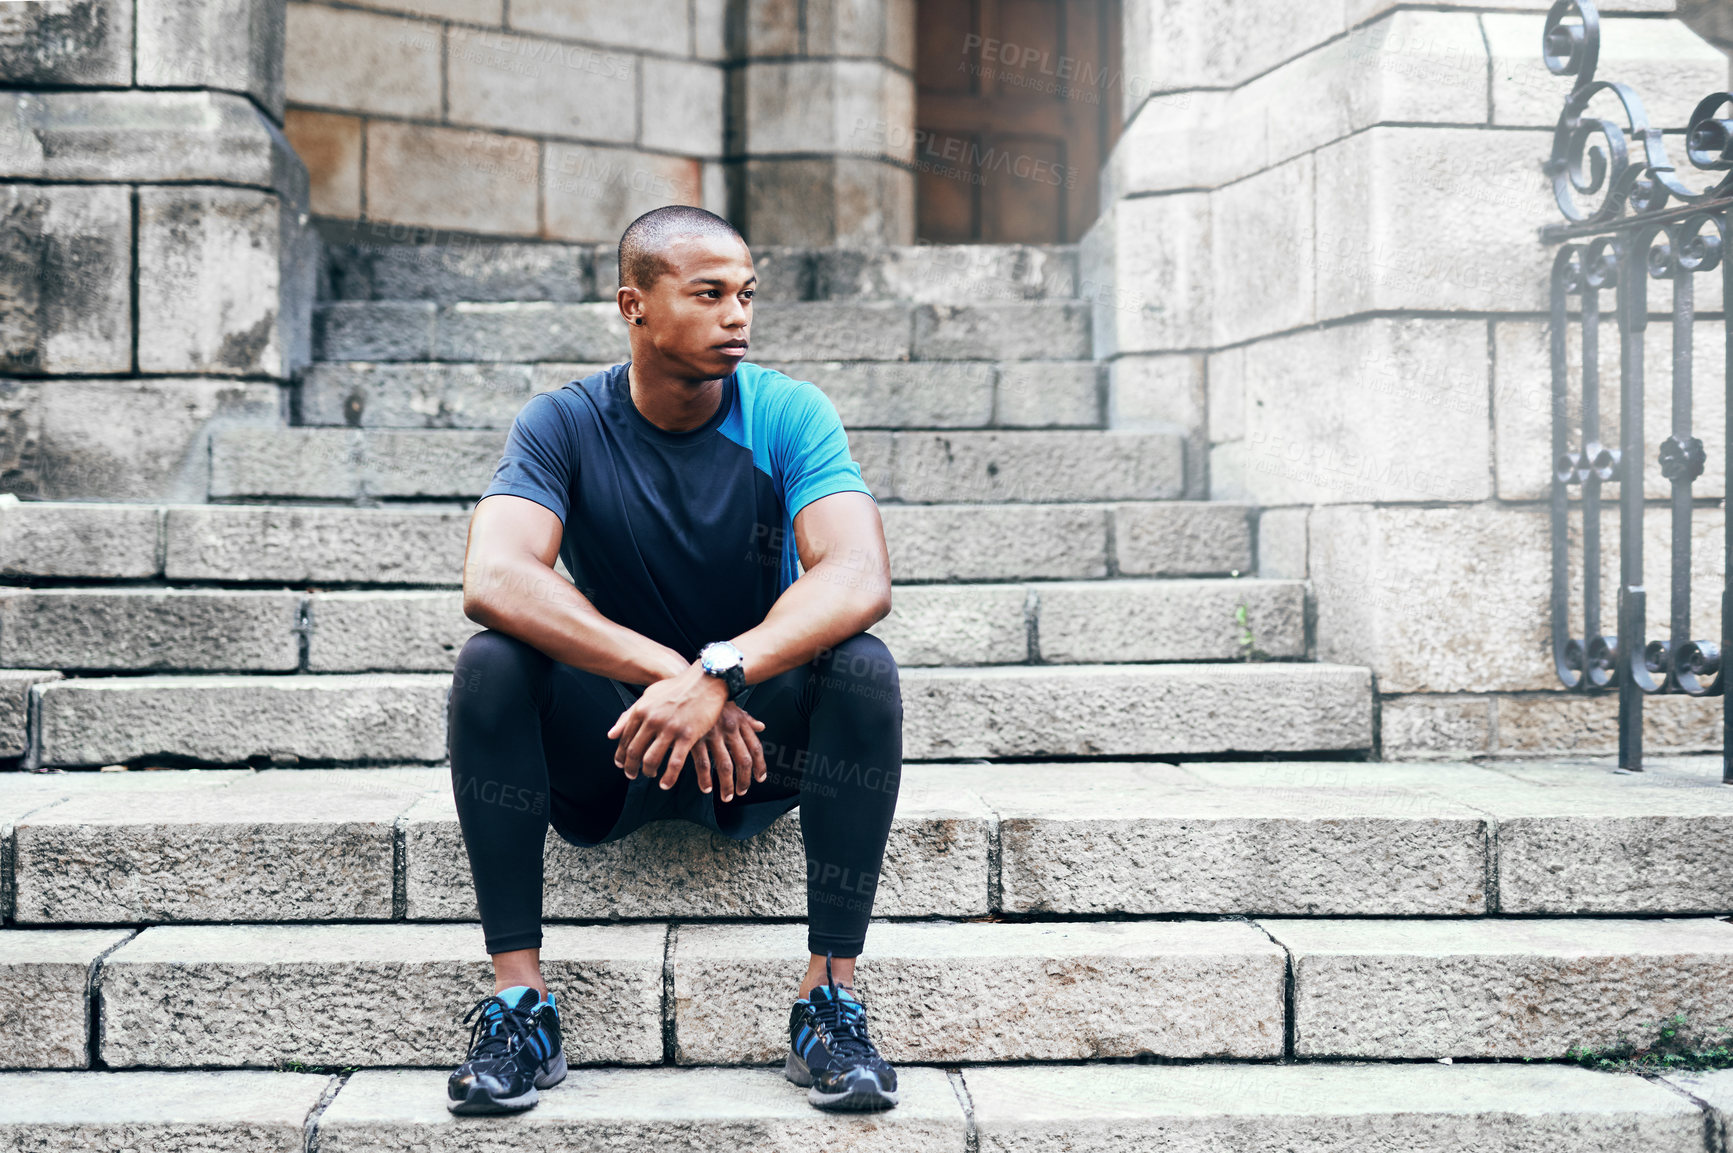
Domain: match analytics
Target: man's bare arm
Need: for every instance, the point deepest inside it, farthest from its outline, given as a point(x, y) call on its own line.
point(845, 589)
point(509, 584)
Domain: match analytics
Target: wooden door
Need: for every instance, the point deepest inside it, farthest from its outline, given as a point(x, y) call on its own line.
point(1017, 105)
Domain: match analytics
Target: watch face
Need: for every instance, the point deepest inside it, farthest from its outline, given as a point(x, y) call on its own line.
point(721, 658)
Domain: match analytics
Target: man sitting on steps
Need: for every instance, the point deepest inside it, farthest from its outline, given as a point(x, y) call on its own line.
point(727, 557)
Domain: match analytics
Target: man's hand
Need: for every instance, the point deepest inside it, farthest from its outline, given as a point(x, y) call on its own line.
point(666, 722)
point(732, 749)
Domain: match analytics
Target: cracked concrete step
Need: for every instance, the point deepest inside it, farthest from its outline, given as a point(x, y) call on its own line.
point(1506, 988)
point(44, 995)
point(937, 992)
point(1322, 1108)
point(963, 466)
point(171, 1110)
point(423, 545)
point(998, 992)
point(867, 394)
point(506, 270)
point(364, 994)
point(527, 331)
point(989, 711)
point(422, 630)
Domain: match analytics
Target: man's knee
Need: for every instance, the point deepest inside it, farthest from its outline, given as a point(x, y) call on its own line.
point(862, 671)
point(488, 661)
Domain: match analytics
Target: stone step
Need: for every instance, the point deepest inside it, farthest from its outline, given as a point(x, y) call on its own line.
point(1022, 466)
point(1284, 839)
point(937, 991)
point(980, 711)
point(867, 394)
point(1088, 1108)
point(423, 545)
point(506, 271)
point(132, 628)
point(537, 331)
point(1500, 987)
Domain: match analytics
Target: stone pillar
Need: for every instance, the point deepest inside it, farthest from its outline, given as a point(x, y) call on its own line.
point(1320, 260)
point(821, 129)
point(155, 260)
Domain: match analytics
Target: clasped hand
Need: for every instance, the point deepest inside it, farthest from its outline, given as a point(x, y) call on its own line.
point(689, 714)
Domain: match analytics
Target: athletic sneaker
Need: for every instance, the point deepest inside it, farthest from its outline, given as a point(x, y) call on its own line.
point(514, 1049)
point(829, 1051)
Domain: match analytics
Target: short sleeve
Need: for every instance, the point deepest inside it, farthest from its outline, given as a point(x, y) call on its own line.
point(540, 460)
point(810, 450)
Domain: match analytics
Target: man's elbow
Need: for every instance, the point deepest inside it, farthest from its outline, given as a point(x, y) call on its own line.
point(880, 606)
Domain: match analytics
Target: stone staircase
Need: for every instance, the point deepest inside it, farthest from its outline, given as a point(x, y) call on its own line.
point(1118, 841)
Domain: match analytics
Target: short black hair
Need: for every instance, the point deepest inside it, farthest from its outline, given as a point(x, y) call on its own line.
point(641, 245)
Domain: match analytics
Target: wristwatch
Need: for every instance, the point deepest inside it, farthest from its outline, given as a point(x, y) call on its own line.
point(722, 660)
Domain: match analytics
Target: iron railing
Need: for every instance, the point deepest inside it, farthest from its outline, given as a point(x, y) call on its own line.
point(1647, 225)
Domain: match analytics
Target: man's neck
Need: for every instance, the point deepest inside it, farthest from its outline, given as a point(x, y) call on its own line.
point(672, 404)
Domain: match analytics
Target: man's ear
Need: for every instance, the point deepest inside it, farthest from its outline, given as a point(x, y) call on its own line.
point(631, 302)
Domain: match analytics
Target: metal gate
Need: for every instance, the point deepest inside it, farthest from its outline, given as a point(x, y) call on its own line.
point(1648, 225)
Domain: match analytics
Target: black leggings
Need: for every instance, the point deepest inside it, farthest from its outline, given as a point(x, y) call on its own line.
point(528, 743)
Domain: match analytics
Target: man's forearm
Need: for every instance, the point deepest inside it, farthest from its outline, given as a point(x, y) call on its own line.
point(828, 604)
point(530, 601)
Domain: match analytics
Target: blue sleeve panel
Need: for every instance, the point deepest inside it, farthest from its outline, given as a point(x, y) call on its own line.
point(540, 461)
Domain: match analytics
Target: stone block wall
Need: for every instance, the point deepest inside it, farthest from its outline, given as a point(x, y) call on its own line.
point(156, 264)
point(566, 119)
point(1323, 240)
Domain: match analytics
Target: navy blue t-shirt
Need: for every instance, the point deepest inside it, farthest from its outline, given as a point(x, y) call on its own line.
point(685, 537)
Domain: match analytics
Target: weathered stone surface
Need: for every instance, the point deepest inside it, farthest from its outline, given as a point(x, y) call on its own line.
point(1157, 839)
point(65, 268)
point(1106, 710)
point(368, 546)
point(653, 25)
point(694, 1110)
point(1190, 44)
point(1182, 538)
point(526, 84)
point(284, 845)
point(1434, 725)
point(139, 628)
point(1330, 1108)
point(935, 864)
point(438, 178)
point(1026, 330)
point(1169, 620)
point(400, 631)
point(43, 1001)
point(217, 275)
point(495, 270)
point(997, 992)
point(1154, 253)
point(944, 273)
point(1482, 257)
point(365, 61)
point(1403, 416)
point(532, 331)
point(822, 330)
point(76, 540)
point(1266, 218)
point(229, 719)
point(372, 330)
point(125, 440)
point(78, 42)
point(1282, 543)
point(15, 706)
point(1714, 1089)
point(956, 625)
point(167, 994)
point(901, 394)
point(964, 542)
point(232, 44)
point(203, 136)
point(330, 462)
point(1037, 466)
point(593, 192)
point(1037, 394)
point(189, 1112)
point(1499, 988)
point(427, 395)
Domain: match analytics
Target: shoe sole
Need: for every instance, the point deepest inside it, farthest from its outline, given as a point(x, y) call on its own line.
point(857, 1098)
point(479, 1103)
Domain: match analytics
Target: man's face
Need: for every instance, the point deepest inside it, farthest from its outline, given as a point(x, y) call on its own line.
point(698, 317)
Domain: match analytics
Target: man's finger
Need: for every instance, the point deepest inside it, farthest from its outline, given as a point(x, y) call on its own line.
point(642, 739)
point(760, 769)
point(677, 750)
point(741, 755)
point(627, 728)
point(701, 762)
point(715, 741)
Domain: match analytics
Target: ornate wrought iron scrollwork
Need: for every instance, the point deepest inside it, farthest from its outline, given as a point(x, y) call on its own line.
point(1630, 217)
